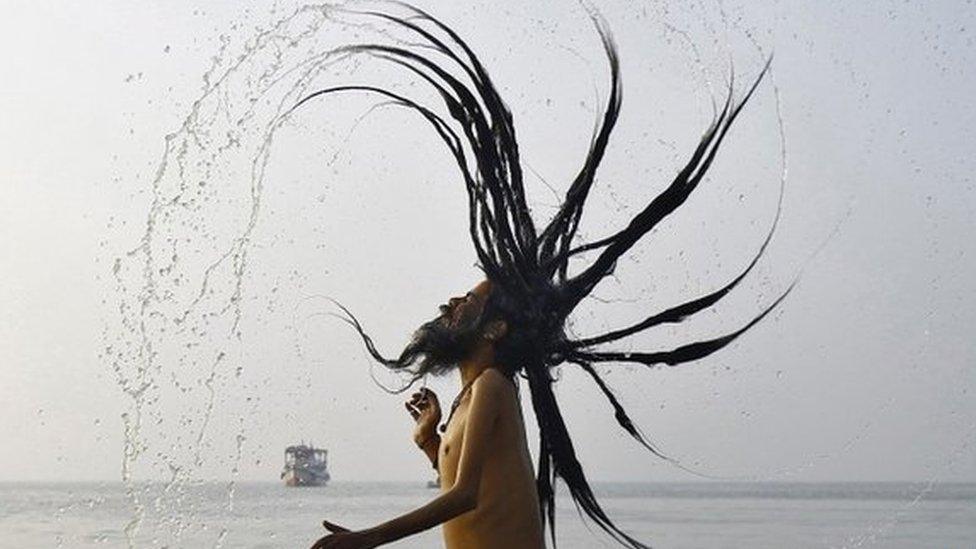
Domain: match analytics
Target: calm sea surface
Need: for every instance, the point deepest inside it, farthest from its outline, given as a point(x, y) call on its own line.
point(692, 515)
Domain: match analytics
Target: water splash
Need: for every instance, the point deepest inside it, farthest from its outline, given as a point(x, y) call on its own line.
point(175, 348)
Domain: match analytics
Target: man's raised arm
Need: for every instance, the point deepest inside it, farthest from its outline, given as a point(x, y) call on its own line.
point(426, 411)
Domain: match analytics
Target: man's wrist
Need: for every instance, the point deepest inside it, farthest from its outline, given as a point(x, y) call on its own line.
point(424, 442)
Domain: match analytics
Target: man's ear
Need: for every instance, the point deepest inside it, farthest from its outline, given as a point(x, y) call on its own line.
point(495, 330)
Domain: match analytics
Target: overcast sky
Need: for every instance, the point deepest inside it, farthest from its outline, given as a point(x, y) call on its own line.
point(866, 371)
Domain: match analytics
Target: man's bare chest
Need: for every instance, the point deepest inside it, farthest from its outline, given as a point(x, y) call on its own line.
point(452, 441)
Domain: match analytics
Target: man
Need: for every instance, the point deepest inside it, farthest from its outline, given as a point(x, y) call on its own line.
point(539, 273)
point(488, 496)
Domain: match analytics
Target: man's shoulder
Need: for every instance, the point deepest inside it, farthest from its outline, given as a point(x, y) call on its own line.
point(493, 389)
point(493, 380)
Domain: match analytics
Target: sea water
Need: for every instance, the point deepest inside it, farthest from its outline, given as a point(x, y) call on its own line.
point(672, 515)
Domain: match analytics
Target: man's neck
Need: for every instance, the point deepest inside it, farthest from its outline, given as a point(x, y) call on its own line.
point(482, 358)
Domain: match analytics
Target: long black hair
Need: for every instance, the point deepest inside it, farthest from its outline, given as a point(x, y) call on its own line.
point(529, 266)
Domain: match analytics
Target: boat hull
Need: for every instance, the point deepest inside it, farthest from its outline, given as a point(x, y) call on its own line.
point(300, 478)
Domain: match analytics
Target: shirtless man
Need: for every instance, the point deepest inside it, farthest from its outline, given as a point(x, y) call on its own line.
point(488, 495)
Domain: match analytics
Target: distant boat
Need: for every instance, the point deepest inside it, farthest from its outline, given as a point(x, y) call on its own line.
point(305, 465)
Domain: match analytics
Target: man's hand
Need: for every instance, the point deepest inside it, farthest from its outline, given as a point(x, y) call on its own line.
point(341, 538)
point(425, 409)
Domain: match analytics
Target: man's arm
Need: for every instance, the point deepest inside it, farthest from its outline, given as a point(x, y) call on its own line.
point(432, 447)
point(426, 411)
point(486, 394)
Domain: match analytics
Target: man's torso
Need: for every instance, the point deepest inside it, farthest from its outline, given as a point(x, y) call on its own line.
point(507, 514)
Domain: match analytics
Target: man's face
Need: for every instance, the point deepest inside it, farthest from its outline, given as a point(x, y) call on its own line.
point(440, 344)
point(464, 311)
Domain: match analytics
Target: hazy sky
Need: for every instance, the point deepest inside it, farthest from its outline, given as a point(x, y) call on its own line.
point(866, 372)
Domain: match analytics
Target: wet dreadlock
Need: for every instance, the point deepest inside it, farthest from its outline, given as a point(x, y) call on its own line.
point(529, 268)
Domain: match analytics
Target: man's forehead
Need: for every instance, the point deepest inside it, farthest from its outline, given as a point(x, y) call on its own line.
point(482, 289)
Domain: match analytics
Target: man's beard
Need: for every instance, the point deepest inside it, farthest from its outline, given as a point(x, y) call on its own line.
point(437, 348)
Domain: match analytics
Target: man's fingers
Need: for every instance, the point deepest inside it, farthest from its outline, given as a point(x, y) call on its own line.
point(323, 543)
point(419, 401)
point(334, 528)
point(429, 395)
point(413, 411)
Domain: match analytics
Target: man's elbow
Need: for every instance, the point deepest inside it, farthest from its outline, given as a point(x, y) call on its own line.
point(465, 498)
